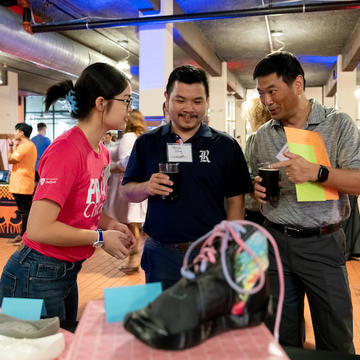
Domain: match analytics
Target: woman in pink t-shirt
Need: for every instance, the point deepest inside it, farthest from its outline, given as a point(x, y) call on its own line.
point(66, 215)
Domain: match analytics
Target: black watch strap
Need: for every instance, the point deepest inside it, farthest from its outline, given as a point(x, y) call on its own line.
point(323, 174)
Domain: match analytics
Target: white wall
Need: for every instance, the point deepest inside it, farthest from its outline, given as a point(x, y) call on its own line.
point(240, 124)
point(345, 90)
point(9, 104)
point(217, 99)
point(315, 93)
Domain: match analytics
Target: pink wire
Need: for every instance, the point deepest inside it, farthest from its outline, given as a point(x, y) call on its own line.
point(280, 273)
point(220, 231)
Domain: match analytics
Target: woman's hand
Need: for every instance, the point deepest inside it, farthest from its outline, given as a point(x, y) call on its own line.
point(118, 239)
point(118, 243)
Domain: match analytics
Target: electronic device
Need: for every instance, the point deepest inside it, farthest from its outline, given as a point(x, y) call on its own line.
point(4, 176)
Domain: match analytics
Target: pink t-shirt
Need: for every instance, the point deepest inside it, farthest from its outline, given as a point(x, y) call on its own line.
point(74, 176)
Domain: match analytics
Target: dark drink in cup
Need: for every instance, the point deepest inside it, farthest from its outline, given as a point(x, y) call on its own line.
point(270, 181)
point(174, 177)
point(172, 170)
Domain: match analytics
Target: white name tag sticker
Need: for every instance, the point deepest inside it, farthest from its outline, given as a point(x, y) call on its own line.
point(280, 155)
point(179, 153)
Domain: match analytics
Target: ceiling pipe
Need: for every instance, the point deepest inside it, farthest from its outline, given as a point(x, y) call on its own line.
point(268, 29)
point(274, 10)
point(27, 15)
point(114, 42)
point(51, 51)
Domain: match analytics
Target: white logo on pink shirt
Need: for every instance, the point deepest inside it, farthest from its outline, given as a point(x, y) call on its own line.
point(95, 198)
point(48, 181)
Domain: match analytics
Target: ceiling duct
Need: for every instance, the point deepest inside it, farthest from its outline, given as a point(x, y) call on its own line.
point(179, 18)
point(52, 51)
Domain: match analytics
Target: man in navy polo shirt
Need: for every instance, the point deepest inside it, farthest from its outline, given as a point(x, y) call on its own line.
point(212, 169)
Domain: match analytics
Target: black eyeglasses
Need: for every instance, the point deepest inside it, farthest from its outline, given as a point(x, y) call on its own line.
point(128, 102)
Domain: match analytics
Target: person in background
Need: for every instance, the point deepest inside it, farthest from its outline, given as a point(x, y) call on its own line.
point(257, 115)
point(41, 142)
point(22, 155)
point(166, 119)
point(66, 222)
point(114, 137)
point(107, 140)
point(213, 171)
point(132, 214)
point(309, 234)
point(206, 120)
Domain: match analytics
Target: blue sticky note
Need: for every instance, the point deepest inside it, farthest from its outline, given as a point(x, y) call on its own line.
point(121, 300)
point(25, 309)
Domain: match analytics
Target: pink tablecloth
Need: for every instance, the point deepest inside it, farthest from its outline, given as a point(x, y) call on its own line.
point(95, 339)
point(68, 340)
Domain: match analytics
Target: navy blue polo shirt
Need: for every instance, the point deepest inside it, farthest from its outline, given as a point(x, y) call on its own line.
point(218, 170)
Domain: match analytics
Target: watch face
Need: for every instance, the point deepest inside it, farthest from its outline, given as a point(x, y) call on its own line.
point(98, 244)
point(323, 174)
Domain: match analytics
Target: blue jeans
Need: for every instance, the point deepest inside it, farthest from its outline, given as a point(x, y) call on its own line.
point(29, 274)
point(162, 264)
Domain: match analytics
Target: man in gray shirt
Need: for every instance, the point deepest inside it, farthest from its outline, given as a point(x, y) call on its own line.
point(308, 234)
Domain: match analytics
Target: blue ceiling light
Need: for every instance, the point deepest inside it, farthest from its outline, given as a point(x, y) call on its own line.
point(134, 70)
point(315, 59)
point(100, 5)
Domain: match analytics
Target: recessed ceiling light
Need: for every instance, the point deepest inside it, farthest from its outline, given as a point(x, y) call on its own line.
point(357, 92)
point(123, 65)
point(276, 33)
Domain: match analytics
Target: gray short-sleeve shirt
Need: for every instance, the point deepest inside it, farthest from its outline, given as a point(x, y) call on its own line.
point(342, 142)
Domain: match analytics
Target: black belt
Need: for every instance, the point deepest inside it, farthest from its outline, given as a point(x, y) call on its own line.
point(177, 246)
point(303, 232)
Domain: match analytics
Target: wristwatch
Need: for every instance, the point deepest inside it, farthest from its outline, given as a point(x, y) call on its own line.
point(100, 240)
point(323, 174)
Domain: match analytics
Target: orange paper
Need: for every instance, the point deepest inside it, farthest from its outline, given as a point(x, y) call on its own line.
point(313, 139)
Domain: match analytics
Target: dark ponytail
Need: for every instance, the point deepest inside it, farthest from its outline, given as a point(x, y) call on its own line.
point(99, 79)
point(56, 92)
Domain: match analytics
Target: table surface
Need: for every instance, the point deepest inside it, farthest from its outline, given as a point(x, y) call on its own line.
point(96, 339)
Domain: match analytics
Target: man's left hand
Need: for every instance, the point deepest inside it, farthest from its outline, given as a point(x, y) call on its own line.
point(297, 169)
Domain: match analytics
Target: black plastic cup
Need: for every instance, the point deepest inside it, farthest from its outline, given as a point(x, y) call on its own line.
point(270, 181)
point(172, 170)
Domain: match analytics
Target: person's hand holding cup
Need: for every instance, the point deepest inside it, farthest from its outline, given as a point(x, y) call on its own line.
point(270, 181)
point(171, 170)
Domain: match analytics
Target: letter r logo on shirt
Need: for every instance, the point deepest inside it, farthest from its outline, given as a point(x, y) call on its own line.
point(204, 156)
